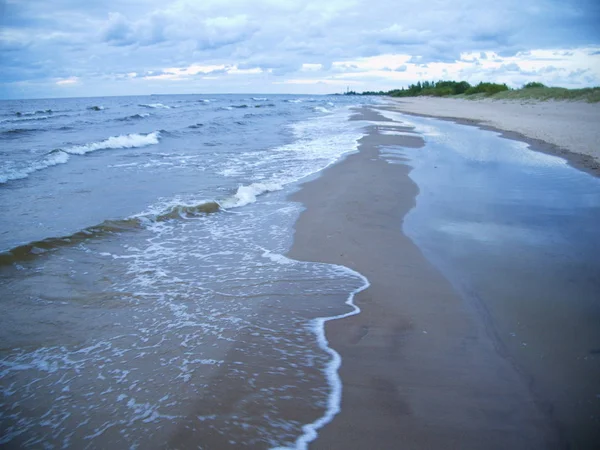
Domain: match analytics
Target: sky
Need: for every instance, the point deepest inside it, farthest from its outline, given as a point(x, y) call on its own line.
point(82, 48)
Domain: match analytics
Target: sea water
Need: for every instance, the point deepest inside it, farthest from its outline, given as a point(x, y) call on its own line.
point(146, 298)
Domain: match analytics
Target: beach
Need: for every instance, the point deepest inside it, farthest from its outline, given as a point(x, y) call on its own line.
point(432, 360)
point(566, 129)
point(292, 272)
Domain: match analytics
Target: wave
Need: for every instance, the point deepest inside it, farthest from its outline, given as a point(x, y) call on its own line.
point(155, 106)
point(134, 117)
point(27, 119)
point(294, 100)
point(242, 197)
point(125, 141)
point(17, 132)
point(34, 249)
point(187, 211)
point(196, 125)
point(239, 106)
point(247, 194)
point(33, 113)
point(321, 109)
point(95, 108)
point(260, 99)
point(268, 105)
point(53, 158)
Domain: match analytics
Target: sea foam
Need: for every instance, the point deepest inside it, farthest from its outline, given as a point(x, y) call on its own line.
point(155, 105)
point(125, 141)
point(247, 194)
point(16, 173)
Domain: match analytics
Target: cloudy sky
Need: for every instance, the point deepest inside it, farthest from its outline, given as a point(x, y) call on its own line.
point(65, 48)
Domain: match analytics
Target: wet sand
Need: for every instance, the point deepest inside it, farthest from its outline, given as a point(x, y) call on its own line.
point(567, 129)
point(420, 367)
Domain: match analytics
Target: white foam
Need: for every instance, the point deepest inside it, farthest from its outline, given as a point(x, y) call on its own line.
point(14, 173)
point(395, 133)
point(334, 400)
point(27, 118)
point(126, 141)
point(277, 258)
point(247, 194)
point(259, 99)
point(155, 105)
point(321, 109)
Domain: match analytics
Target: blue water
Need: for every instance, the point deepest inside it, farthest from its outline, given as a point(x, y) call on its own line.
point(147, 302)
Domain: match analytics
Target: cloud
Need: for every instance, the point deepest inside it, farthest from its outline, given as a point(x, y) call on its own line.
point(118, 30)
point(67, 81)
point(270, 45)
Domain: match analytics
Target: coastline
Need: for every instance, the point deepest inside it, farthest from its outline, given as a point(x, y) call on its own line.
point(419, 367)
point(565, 129)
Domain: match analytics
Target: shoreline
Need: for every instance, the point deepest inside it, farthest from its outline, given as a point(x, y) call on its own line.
point(584, 156)
point(419, 367)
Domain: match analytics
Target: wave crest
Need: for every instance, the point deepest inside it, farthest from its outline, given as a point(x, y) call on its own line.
point(154, 106)
point(125, 141)
point(247, 194)
point(53, 158)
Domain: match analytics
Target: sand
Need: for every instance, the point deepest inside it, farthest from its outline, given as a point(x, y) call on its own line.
point(569, 129)
point(420, 368)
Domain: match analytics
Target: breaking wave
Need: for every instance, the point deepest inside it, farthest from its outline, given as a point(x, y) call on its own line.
point(125, 141)
point(174, 211)
point(155, 106)
point(53, 158)
point(13, 171)
point(33, 113)
point(247, 194)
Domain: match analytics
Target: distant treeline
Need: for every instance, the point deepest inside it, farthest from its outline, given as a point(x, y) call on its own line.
point(441, 89)
point(533, 90)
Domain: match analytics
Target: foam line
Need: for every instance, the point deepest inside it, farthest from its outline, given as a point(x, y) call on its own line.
point(331, 370)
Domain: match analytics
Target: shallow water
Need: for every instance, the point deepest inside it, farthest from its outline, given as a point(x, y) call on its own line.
point(516, 231)
point(147, 302)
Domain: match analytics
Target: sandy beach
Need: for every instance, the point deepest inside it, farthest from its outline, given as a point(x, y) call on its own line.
point(421, 367)
point(570, 130)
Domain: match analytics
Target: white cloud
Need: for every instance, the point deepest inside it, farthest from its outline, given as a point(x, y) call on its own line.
point(67, 81)
point(307, 67)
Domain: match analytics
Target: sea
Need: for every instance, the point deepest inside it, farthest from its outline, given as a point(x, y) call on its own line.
point(147, 301)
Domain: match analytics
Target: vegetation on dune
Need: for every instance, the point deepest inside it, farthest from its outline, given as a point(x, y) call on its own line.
point(590, 95)
point(462, 89)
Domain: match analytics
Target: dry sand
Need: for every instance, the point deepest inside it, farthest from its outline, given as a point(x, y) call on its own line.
point(420, 369)
point(572, 129)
